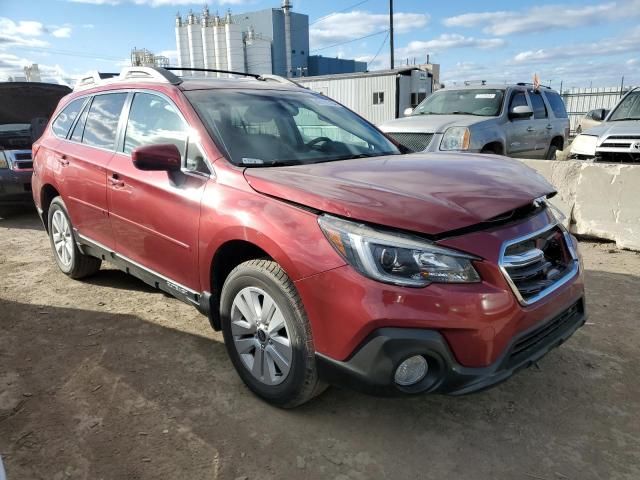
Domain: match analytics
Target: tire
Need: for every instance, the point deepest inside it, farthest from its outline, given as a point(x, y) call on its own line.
point(67, 255)
point(551, 153)
point(258, 347)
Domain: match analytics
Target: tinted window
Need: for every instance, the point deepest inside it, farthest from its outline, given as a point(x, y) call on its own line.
point(65, 119)
point(102, 120)
point(537, 103)
point(628, 108)
point(556, 103)
point(518, 100)
point(78, 130)
point(153, 120)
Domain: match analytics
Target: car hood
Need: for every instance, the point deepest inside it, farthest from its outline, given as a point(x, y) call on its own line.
point(430, 123)
point(427, 193)
point(21, 102)
point(622, 127)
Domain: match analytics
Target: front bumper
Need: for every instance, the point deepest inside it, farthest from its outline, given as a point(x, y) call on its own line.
point(15, 188)
point(371, 368)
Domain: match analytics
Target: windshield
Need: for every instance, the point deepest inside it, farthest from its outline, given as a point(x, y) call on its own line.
point(628, 109)
point(483, 102)
point(271, 127)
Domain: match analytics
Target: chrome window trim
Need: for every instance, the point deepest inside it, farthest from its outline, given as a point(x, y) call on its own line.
point(575, 268)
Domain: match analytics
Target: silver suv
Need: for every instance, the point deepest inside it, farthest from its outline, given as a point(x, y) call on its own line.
point(515, 120)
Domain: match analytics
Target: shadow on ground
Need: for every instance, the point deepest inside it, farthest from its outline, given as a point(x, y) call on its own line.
point(88, 394)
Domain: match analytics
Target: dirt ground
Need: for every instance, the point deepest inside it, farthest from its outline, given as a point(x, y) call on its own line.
point(109, 379)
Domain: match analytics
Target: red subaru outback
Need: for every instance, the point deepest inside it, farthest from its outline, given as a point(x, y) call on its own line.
point(323, 253)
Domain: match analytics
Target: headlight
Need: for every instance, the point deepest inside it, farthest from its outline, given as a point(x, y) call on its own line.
point(455, 138)
point(584, 145)
point(395, 258)
point(3, 161)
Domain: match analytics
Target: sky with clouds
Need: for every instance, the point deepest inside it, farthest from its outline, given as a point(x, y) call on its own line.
point(577, 42)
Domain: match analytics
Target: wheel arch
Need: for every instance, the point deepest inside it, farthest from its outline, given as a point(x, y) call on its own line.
point(47, 193)
point(496, 146)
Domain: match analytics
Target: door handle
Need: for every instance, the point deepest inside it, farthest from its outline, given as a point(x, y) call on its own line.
point(62, 160)
point(549, 127)
point(530, 129)
point(115, 181)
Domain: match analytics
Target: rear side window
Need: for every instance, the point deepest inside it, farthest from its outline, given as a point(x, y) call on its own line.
point(153, 120)
point(556, 104)
point(64, 120)
point(537, 103)
point(102, 120)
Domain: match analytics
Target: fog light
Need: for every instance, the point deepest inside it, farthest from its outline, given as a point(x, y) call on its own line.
point(411, 371)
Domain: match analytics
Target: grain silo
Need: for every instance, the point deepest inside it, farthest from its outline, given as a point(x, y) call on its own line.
point(258, 53)
point(235, 45)
point(194, 37)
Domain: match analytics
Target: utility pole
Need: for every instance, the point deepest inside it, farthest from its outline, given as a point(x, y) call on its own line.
point(391, 32)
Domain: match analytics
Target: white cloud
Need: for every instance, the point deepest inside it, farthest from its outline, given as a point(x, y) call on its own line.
point(21, 28)
point(343, 27)
point(626, 43)
point(546, 17)
point(446, 41)
point(61, 32)
point(88, 26)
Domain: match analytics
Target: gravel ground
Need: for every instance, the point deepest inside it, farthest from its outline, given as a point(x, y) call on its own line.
point(109, 379)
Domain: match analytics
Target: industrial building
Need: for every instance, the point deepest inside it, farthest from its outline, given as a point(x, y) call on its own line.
point(378, 96)
point(319, 65)
point(274, 40)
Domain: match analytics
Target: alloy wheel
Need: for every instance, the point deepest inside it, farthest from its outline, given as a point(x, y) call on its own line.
point(261, 336)
point(62, 238)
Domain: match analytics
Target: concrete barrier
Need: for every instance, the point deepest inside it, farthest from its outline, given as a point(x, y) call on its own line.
point(600, 200)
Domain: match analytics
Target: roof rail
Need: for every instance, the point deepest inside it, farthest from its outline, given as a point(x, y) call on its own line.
point(149, 73)
point(278, 79)
point(92, 79)
point(229, 72)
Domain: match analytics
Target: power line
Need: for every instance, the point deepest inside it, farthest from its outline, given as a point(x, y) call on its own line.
point(336, 13)
point(351, 41)
point(380, 49)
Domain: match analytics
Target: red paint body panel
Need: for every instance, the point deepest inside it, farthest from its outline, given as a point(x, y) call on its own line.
point(427, 193)
point(174, 223)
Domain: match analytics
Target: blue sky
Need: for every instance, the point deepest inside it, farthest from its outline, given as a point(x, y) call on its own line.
point(577, 42)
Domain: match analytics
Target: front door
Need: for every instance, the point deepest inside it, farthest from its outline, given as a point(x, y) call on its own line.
point(83, 158)
point(155, 215)
point(520, 133)
point(541, 123)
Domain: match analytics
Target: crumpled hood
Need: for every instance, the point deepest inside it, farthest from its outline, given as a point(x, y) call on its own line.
point(21, 102)
point(623, 127)
point(430, 123)
point(430, 193)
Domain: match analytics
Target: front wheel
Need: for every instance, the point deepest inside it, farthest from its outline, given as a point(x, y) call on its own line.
point(267, 334)
point(552, 153)
point(68, 256)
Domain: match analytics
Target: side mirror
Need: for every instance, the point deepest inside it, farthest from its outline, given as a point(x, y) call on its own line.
point(521, 111)
point(601, 114)
point(161, 157)
point(408, 111)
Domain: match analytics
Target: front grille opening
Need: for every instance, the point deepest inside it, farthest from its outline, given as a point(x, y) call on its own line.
point(543, 335)
point(537, 263)
point(414, 142)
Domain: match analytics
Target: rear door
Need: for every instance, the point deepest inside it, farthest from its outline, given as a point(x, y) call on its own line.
point(520, 134)
point(542, 124)
point(83, 158)
point(155, 215)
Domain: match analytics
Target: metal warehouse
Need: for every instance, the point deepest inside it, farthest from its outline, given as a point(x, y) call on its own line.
point(377, 96)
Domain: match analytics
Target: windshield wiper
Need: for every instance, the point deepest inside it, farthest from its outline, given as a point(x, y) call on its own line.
point(464, 113)
point(254, 163)
point(623, 119)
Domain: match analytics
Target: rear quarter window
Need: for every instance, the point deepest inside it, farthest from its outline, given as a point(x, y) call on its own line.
point(66, 117)
point(557, 104)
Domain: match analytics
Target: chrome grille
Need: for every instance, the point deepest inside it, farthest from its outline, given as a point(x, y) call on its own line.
point(416, 142)
point(537, 264)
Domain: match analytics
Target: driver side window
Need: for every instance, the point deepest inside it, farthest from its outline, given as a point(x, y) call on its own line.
point(518, 99)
